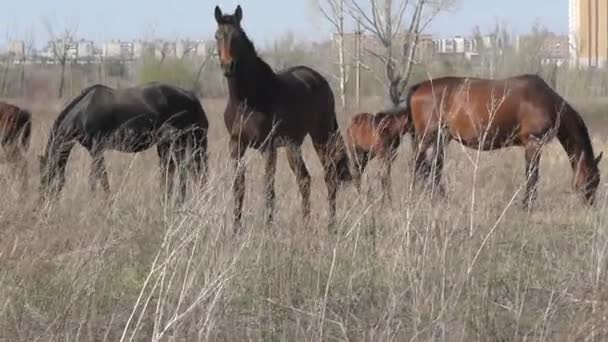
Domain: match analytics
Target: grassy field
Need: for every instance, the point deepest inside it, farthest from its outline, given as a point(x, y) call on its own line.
point(470, 267)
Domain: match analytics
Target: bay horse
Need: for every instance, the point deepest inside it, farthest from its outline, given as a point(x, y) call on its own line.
point(129, 120)
point(268, 110)
point(15, 135)
point(376, 135)
point(490, 114)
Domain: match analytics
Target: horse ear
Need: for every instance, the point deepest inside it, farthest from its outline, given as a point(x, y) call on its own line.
point(218, 14)
point(598, 158)
point(238, 14)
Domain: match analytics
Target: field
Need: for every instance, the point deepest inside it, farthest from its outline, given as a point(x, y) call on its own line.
point(470, 267)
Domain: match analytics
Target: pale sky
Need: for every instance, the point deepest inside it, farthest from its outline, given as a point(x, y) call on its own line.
point(264, 20)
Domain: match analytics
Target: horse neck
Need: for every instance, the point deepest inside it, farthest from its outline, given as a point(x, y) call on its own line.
point(574, 138)
point(251, 80)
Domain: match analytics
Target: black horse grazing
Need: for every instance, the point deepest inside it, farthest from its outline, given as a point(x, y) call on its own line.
point(129, 120)
point(267, 110)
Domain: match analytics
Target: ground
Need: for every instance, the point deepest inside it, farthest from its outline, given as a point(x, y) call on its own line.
point(472, 266)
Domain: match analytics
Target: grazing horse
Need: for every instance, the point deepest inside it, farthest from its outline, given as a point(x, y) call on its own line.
point(267, 110)
point(491, 114)
point(369, 136)
point(129, 120)
point(16, 133)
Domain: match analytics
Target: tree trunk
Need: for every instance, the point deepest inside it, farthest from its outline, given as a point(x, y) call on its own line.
point(22, 78)
point(62, 79)
point(358, 65)
point(341, 54)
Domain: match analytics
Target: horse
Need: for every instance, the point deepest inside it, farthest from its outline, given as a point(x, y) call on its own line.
point(490, 114)
point(268, 110)
point(376, 135)
point(129, 120)
point(16, 134)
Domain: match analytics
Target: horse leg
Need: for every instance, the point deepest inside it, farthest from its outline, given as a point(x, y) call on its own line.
point(385, 179)
point(58, 166)
point(296, 163)
point(181, 164)
point(361, 158)
point(438, 154)
point(167, 169)
point(198, 162)
point(237, 151)
point(421, 164)
point(331, 180)
point(532, 151)
point(98, 172)
point(201, 164)
point(269, 176)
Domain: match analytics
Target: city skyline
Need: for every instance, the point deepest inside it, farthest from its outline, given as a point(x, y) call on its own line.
point(100, 21)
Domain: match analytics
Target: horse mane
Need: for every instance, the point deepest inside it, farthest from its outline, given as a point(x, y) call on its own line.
point(248, 43)
point(582, 128)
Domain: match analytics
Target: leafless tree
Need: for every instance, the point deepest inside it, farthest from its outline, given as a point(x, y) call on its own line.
point(60, 45)
point(209, 53)
point(396, 26)
point(8, 60)
point(491, 49)
point(334, 12)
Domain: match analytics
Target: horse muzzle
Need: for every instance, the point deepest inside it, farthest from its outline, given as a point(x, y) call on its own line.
point(229, 68)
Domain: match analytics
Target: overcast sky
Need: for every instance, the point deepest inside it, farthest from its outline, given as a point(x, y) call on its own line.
point(264, 20)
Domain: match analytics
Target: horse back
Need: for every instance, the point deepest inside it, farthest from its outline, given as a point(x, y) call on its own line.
point(471, 108)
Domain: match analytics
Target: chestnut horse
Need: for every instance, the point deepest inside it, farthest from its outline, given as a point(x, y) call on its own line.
point(16, 132)
point(369, 136)
point(128, 120)
point(268, 110)
point(491, 114)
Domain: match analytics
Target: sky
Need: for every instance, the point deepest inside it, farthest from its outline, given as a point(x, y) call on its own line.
point(264, 20)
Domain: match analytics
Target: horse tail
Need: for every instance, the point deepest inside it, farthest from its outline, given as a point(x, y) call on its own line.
point(201, 141)
point(340, 154)
point(408, 108)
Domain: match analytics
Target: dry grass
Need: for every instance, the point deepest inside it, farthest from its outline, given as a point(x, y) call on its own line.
point(470, 267)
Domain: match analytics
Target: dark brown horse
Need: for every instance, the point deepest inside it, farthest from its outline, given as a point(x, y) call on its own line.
point(491, 114)
point(369, 136)
point(267, 110)
point(129, 120)
point(16, 133)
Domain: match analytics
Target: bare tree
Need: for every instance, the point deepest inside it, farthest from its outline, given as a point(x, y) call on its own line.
point(8, 60)
point(60, 47)
point(491, 48)
point(209, 53)
point(334, 12)
point(387, 22)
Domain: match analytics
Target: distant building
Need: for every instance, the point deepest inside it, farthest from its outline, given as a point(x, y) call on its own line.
point(142, 48)
point(457, 45)
point(16, 49)
point(370, 45)
point(202, 48)
point(111, 49)
point(588, 33)
point(85, 49)
point(164, 49)
point(58, 49)
point(553, 49)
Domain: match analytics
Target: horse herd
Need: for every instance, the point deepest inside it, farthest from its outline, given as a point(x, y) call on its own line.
point(268, 110)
